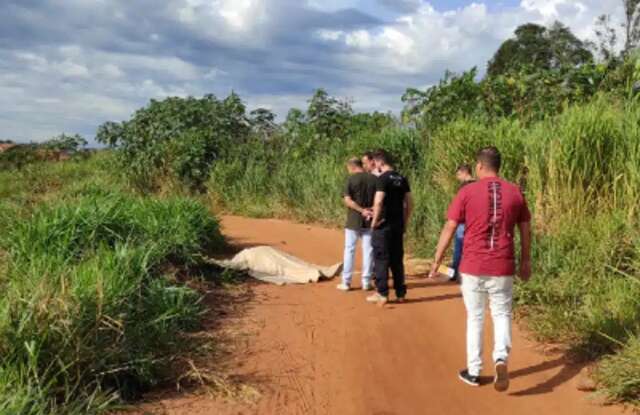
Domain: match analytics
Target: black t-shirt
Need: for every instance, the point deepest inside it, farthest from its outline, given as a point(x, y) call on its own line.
point(361, 188)
point(395, 187)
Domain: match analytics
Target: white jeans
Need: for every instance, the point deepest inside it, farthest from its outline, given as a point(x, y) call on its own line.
point(350, 240)
point(475, 290)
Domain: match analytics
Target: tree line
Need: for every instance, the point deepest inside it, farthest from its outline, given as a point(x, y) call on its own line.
point(533, 75)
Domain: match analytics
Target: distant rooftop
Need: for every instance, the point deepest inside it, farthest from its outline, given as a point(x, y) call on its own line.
point(5, 147)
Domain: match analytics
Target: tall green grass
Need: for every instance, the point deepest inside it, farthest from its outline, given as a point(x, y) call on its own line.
point(581, 175)
point(86, 316)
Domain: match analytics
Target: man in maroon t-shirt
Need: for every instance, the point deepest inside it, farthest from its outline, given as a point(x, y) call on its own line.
point(490, 209)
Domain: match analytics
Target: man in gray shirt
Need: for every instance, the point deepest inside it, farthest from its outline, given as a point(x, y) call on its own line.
point(358, 195)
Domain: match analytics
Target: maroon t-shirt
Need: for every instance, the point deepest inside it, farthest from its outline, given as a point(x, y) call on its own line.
point(490, 208)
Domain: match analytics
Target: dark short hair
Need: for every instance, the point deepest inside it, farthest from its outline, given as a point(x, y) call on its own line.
point(490, 157)
point(368, 154)
point(355, 162)
point(383, 156)
point(464, 168)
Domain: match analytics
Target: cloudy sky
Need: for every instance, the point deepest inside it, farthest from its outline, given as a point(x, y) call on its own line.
point(69, 65)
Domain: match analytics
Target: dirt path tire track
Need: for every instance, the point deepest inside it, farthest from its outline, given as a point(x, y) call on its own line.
point(320, 351)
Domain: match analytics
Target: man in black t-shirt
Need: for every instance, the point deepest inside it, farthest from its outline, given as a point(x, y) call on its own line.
point(391, 212)
point(358, 197)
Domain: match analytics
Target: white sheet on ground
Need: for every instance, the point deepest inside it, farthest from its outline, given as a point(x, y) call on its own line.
point(271, 265)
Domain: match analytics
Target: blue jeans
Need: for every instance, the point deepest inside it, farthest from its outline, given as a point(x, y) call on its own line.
point(350, 239)
point(457, 248)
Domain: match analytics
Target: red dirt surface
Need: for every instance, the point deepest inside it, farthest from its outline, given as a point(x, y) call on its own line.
point(314, 350)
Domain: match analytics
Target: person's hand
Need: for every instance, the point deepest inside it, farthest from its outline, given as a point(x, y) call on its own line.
point(376, 224)
point(367, 213)
point(525, 270)
point(434, 270)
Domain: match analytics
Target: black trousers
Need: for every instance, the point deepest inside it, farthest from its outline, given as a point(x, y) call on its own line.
point(388, 251)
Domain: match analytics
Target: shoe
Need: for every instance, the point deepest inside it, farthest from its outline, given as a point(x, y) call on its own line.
point(367, 286)
point(378, 299)
point(501, 379)
point(469, 379)
point(400, 300)
point(343, 287)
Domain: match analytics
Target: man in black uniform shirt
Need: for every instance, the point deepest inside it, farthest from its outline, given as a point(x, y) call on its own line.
point(391, 212)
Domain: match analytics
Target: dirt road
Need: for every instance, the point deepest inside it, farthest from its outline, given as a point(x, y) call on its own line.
point(315, 350)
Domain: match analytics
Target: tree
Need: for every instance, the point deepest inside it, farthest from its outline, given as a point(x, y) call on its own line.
point(295, 118)
point(540, 48)
point(294, 123)
point(566, 49)
point(64, 142)
point(607, 39)
point(233, 113)
point(530, 47)
point(631, 25)
point(328, 115)
point(414, 101)
point(263, 122)
point(178, 136)
point(110, 133)
point(454, 97)
point(374, 121)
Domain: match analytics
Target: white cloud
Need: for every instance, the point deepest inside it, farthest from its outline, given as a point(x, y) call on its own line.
point(33, 61)
point(223, 20)
point(169, 65)
point(71, 51)
point(111, 70)
point(396, 40)
point(331, 5)
point(430, 41)
point(214, 73)
point(71, 69)
point(329, 34)
point(550, 9)
point(360, 39)
point(242, 14)
point(272, 52)
point(75, 89)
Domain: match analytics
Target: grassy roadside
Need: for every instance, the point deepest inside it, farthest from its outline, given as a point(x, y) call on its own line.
point(92, 311)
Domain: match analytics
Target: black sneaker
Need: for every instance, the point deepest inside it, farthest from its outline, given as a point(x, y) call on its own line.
point(469, 379)
point(501, 379)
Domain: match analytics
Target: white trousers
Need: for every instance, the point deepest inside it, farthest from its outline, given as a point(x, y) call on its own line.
point(350, 240)
point(475, 291)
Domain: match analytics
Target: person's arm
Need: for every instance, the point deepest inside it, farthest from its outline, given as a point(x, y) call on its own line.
point(525, 250)
point(377, 208)
point(446, 236)
point(348, 202)
point(408, 208)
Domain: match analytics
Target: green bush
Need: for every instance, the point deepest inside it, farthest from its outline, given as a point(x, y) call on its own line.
point(177, 138)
